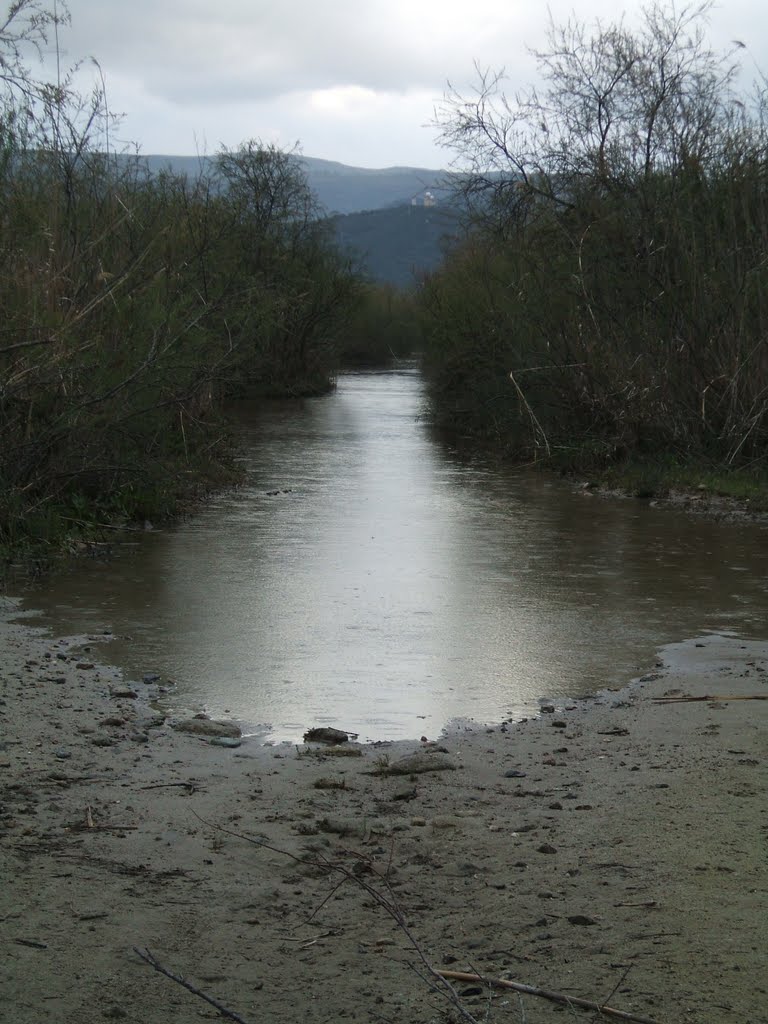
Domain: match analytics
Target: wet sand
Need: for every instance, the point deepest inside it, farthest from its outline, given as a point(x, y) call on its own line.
point(612, 847)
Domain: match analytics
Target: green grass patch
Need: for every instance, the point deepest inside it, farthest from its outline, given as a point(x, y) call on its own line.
point(659, 478)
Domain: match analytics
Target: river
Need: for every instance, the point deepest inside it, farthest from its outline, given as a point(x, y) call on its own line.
point(370, 576)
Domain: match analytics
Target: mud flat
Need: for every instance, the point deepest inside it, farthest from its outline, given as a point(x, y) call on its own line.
point(613, 847)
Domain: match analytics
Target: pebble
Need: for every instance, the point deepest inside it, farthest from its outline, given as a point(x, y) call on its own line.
point(63, 755)
point(405, 794)
point(207, 727)
point(513, 773)
point(417, 764)
point(154, 722)
point(546, 848)
point(325, 735)
point(342, 826)
point(444, 822)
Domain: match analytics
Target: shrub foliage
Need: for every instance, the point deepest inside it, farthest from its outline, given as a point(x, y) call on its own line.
point(610, 295)
point(132, 303)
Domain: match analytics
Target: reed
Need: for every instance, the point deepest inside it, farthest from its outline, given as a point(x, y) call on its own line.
point(609, 298)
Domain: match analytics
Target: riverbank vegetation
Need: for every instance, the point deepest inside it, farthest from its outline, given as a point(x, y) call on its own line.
point(384, 325)
point(608, 304)
point(134, 303)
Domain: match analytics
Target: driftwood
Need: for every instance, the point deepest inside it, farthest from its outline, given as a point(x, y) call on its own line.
point(147, 957)
point(324, 734)
point(434, 977)
point(555, 997)
point(689, 700)
point(191, 786)
point(108, 828)
point(384, 898)
point(89, 825)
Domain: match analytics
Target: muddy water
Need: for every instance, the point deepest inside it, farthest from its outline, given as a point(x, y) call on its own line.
point(392, 584)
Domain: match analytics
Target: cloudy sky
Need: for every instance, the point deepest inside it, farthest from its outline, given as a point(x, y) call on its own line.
point(350, 80)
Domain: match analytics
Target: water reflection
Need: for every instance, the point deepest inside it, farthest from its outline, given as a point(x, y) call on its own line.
point(391, 584)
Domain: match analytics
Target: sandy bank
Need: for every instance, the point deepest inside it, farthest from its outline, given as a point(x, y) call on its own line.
point(611, 847)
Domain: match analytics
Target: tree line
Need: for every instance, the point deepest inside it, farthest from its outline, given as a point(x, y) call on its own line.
point(609, 299)
point(134, 303)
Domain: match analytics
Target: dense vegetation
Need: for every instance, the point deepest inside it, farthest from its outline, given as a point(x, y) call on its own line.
point(133, 303)
point(384, 325)
point(610, 300)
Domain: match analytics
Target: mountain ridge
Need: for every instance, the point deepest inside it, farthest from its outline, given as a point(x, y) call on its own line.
point(340, 188)
point(379, 216)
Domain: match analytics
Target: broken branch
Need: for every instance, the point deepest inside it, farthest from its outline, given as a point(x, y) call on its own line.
point(147, 957)
point(555, 997)
point(690, 700)
point(191, 786)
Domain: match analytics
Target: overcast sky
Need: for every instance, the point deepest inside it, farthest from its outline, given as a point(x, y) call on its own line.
point(349, 80)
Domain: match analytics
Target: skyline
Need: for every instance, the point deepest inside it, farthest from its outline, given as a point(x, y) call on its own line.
point(189, 77)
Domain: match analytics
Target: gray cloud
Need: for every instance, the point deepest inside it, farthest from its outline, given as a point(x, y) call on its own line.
point(235, 49)
point(229, 69)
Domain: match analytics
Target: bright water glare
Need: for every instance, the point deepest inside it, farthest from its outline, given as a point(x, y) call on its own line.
point(369, 576)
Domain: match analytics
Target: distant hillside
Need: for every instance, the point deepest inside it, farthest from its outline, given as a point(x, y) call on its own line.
point(338, 187)
point(371, 211)
point(394, 245)
point(343, 189)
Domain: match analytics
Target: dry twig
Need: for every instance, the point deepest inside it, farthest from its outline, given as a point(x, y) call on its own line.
point(153, 962)
point(691, 700)
point(438, 980)
point(555, 997)
point(385, 900)
point(191, 786)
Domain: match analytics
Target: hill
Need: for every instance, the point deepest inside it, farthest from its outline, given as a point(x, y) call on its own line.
point(343, 189)
point(396, 244)
point(338, 187)
point(371, 211)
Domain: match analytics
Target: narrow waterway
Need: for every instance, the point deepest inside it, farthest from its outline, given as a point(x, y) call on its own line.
point(368, 576)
